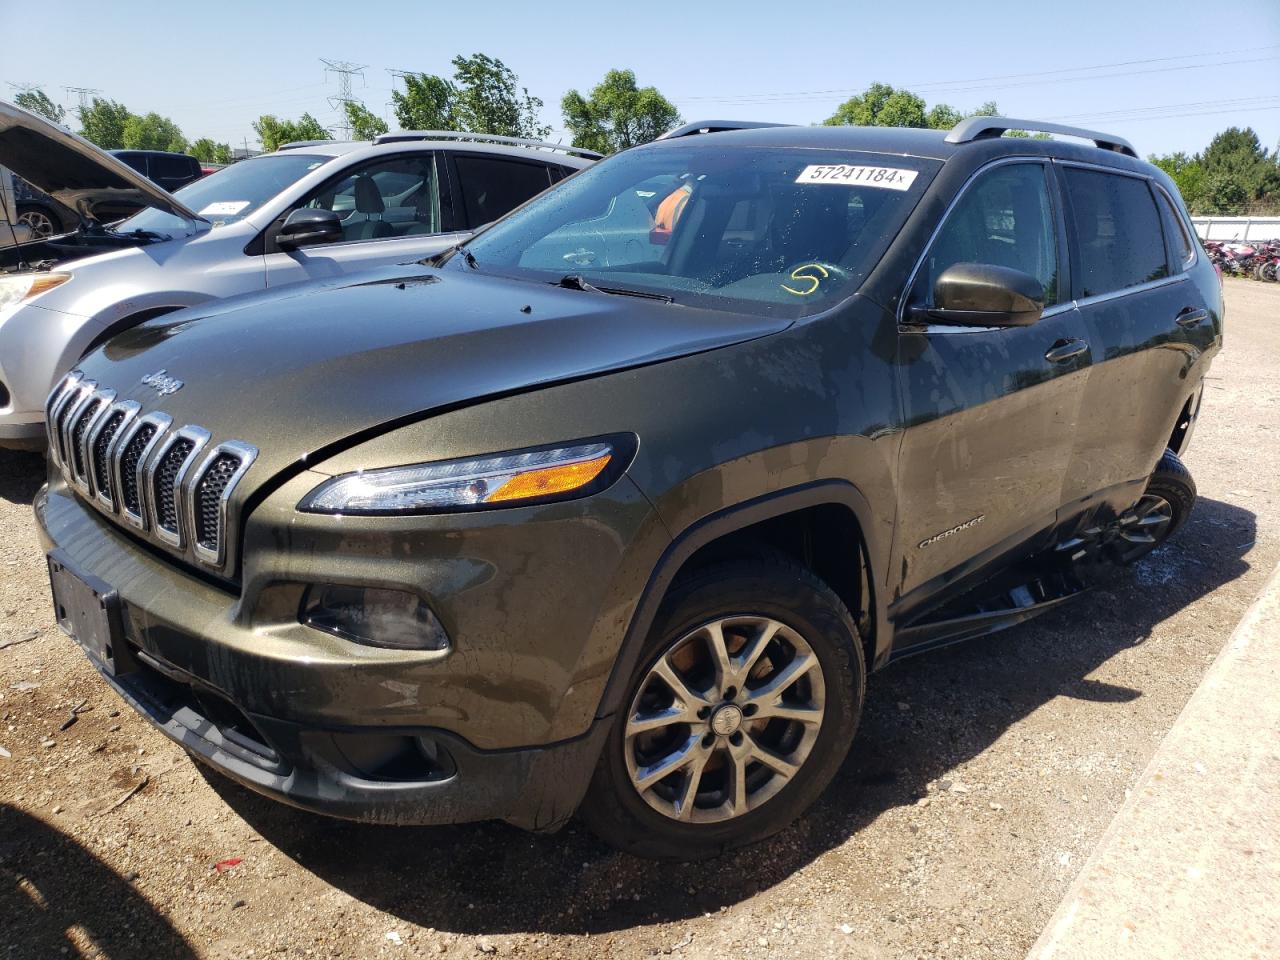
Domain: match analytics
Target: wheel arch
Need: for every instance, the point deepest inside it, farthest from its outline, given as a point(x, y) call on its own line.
point(829, 511)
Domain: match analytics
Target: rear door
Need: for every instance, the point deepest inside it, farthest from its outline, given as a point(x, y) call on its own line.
point(989, 413)
point(394, 210)
point(1141, 311)
point(490, 186)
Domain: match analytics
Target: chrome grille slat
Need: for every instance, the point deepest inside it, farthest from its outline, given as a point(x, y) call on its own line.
point(209, 496)
point(131, 459)
point(172, 485)
point(165, 476)
point(53, 406)
point(65, 416)
point(101, 446)
point(82, 430)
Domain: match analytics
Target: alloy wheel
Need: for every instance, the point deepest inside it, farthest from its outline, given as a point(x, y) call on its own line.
point(724, 719)
point(1144, 527)
point(39, 222)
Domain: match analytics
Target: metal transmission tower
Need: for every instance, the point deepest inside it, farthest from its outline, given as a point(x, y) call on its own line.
point(345, 72)
point(83, 93)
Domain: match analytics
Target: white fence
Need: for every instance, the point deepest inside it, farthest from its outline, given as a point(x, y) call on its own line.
point(1237, 228)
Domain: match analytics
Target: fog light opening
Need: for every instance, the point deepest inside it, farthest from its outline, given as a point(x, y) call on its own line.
point(374, 616)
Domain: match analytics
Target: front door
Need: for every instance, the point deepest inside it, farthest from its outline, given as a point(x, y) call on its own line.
point(391, 213)
point(989, 413)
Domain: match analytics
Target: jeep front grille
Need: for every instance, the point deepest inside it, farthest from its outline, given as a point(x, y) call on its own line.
point(139, 469)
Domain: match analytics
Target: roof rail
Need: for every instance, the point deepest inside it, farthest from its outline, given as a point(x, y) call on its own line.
point(982, 128)
point(403, 136)
point(295, 144)
point(716, 126)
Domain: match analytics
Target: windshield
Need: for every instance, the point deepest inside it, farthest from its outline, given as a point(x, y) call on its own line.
point(232, 193)
point(764, 230)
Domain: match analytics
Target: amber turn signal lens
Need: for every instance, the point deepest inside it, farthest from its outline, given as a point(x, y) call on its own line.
point(550, 480)
point(47, 281)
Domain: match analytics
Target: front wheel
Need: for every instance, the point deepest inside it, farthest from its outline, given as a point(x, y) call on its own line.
point(41, 221)
point(747, 697)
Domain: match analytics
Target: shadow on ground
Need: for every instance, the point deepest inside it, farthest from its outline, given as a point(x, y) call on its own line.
point(21, 475)
point(57, 899)
point(492, 878)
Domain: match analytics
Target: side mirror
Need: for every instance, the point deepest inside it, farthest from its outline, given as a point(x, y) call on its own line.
point(983, 295)
point(309, 225)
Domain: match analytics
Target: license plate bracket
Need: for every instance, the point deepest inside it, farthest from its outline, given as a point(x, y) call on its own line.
point(88, 611)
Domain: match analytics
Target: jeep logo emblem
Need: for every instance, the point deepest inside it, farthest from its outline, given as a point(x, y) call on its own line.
point(162, 383)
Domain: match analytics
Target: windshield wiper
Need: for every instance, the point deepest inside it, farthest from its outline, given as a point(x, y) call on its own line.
point(437, 259)
point(140, 234)
point(575, 281)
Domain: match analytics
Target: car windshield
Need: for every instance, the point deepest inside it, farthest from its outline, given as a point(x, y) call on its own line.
point(232, 193)
point(762, 230)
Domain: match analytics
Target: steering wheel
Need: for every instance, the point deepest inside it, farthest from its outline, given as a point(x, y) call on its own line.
point(806, 278)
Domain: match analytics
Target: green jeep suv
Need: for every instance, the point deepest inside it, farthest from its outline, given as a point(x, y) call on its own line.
point(613, 508)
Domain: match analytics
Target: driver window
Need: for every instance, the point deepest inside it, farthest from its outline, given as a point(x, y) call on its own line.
point(1004, 218)
point(396, 197)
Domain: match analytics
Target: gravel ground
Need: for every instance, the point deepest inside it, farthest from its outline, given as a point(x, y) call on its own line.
point(980, 780)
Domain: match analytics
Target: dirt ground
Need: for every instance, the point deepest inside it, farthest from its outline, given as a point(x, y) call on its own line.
point(980, 780)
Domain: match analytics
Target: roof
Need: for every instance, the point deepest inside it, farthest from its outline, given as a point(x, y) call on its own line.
point(341, 148)
point(975, 135)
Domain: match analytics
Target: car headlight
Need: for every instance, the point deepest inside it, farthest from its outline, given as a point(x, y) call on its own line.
point(23, 286)
point(474, 483)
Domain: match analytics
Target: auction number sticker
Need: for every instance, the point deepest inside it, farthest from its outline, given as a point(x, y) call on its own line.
point(224, 208)
point(887, 178)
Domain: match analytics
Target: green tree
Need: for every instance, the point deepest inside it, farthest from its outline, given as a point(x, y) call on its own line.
point(273, 131)
point(1235, 163)
point(365, 124)
point(152, 132)
point(1187, 174)
point(489, 101)
point(206, 151)
point(617, 114)
point(942, 116)
point(37, 102)
point(427, 103)
point(102, 122)
point(881, 105)
point(482, 97)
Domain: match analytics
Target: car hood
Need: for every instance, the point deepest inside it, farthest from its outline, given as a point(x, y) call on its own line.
point(71, 169)
point(300, 376)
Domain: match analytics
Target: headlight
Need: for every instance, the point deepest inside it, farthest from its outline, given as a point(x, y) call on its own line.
point(531, 476)
point(23, 286)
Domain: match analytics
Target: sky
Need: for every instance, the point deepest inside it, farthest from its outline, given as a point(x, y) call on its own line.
point(1166, 75)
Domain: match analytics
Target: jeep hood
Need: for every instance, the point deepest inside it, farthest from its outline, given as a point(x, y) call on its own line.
point(71, 169)
point(298, 375)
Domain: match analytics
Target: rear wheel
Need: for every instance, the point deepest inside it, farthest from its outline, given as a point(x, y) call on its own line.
point(1163, 509)
point(744, 705)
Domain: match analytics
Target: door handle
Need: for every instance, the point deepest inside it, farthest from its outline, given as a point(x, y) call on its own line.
point(1064, 350)
point(1190, 317)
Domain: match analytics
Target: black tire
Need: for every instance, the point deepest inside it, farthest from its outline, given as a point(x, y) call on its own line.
point(1172, 484)
point(775, 589)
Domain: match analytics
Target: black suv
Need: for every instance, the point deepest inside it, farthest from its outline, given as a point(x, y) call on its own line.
point(613, 508)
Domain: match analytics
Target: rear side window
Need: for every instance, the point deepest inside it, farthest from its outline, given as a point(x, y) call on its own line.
point(1005, 218)
point(1117, 234)
point(172, 168)
point(1179, 240)
point(491, 187)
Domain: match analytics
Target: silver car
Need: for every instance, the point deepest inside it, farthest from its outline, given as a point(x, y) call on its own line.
point(307, 212)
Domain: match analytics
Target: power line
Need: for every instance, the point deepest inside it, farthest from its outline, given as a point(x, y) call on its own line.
point(958, 85)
